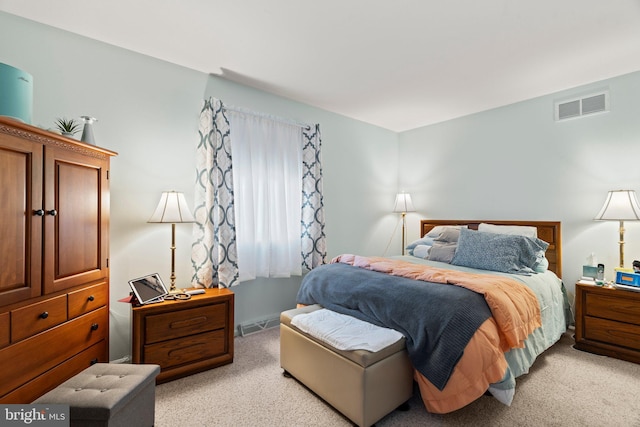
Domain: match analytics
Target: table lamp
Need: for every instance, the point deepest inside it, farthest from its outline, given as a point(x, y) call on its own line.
point(403, 205)
point(621, 205)
point(172, 209)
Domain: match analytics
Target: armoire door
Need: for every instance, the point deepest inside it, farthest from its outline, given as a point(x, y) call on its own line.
point(20, 219)
point(76, 194)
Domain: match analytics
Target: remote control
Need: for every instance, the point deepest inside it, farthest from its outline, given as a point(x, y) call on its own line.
point(195, 292)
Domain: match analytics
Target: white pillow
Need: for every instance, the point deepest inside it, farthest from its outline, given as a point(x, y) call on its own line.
point(517, 230)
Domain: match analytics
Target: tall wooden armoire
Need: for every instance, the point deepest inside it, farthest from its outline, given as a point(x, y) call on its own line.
point(54, 259)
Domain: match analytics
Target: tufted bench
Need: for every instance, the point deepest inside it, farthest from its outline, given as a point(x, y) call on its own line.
point(108, 394)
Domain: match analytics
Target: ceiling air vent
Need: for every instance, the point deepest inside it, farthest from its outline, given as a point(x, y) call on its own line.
point(582, 106)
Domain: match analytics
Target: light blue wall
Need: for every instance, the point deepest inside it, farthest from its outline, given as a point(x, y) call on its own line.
point(516, 162)
point(148, 113)
point(513, 162)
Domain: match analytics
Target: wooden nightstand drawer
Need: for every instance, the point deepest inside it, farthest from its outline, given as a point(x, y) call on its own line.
point(161, 327)
point(612, 307)
point(34, 318)
point(186, 350)
point(87, 299)
point(611, 332)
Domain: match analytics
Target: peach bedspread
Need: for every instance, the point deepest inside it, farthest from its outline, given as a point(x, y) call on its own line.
point(516, 313)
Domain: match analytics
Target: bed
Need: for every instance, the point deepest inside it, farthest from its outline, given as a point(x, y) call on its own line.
point(453, 371)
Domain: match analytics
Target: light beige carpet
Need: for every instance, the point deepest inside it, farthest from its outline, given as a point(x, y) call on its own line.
point(565, 387)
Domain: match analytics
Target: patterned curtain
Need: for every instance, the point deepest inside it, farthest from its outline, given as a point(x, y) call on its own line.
point(314, 251)
point(214, 257)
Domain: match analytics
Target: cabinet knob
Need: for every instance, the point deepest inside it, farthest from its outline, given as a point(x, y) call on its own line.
point(52, 212)
point(44, 315)
point(94, 326)
point(39, 212)
point(91, 298)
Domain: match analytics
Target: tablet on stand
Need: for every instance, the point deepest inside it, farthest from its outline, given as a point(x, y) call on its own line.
point(149, 289)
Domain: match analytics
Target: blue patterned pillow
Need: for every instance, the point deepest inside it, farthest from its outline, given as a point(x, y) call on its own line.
point(498, 252)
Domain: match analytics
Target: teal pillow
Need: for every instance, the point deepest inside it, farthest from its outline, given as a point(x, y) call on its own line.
point(427, 241)
point(542, 264)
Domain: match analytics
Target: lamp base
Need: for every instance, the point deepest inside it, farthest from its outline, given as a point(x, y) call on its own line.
point(404, 228)
point(173, 290)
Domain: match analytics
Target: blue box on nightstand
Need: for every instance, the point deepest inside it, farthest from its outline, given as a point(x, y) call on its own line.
point(629, 279)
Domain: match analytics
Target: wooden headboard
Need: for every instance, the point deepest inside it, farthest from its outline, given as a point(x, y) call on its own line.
point(549, 231)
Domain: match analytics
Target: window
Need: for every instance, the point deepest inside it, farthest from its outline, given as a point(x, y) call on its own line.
point(267, 181)
point(271, 179)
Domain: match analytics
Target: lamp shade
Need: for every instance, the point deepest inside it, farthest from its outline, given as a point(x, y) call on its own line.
point(620, 205)
point(172, 209)
point(403, 203)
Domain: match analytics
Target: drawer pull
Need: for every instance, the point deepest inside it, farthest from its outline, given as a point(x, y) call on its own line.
point(91, 298)
point(188, 323)
point(94, 326)
point(52, 212)
point(177, 351)
point(44, 315)
point(39, 212)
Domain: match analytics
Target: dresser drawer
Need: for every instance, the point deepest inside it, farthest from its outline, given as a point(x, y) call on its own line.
point(31, 319)
point(613, 307)
point(167, 326)
point(186, 350)
point(5, 329)
point(611, 332)
point(53, 347)
point(87, 299)
point(54, 377)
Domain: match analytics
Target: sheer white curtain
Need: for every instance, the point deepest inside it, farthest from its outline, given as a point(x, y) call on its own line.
point(267, 177)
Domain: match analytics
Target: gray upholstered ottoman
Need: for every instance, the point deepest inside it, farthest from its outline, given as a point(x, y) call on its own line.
point(109, 394)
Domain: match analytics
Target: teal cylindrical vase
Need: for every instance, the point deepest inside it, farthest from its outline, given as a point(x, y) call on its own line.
point(16, 93)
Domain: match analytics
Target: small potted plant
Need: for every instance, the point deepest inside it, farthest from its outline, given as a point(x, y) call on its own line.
point(68, 127)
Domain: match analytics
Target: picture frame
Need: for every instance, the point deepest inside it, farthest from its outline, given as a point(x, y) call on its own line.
point(149, 289)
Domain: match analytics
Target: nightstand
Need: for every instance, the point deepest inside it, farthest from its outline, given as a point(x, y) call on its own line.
point(185, 337)
point(608, 321)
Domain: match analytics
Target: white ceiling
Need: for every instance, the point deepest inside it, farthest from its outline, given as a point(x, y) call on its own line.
point(396, 64)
